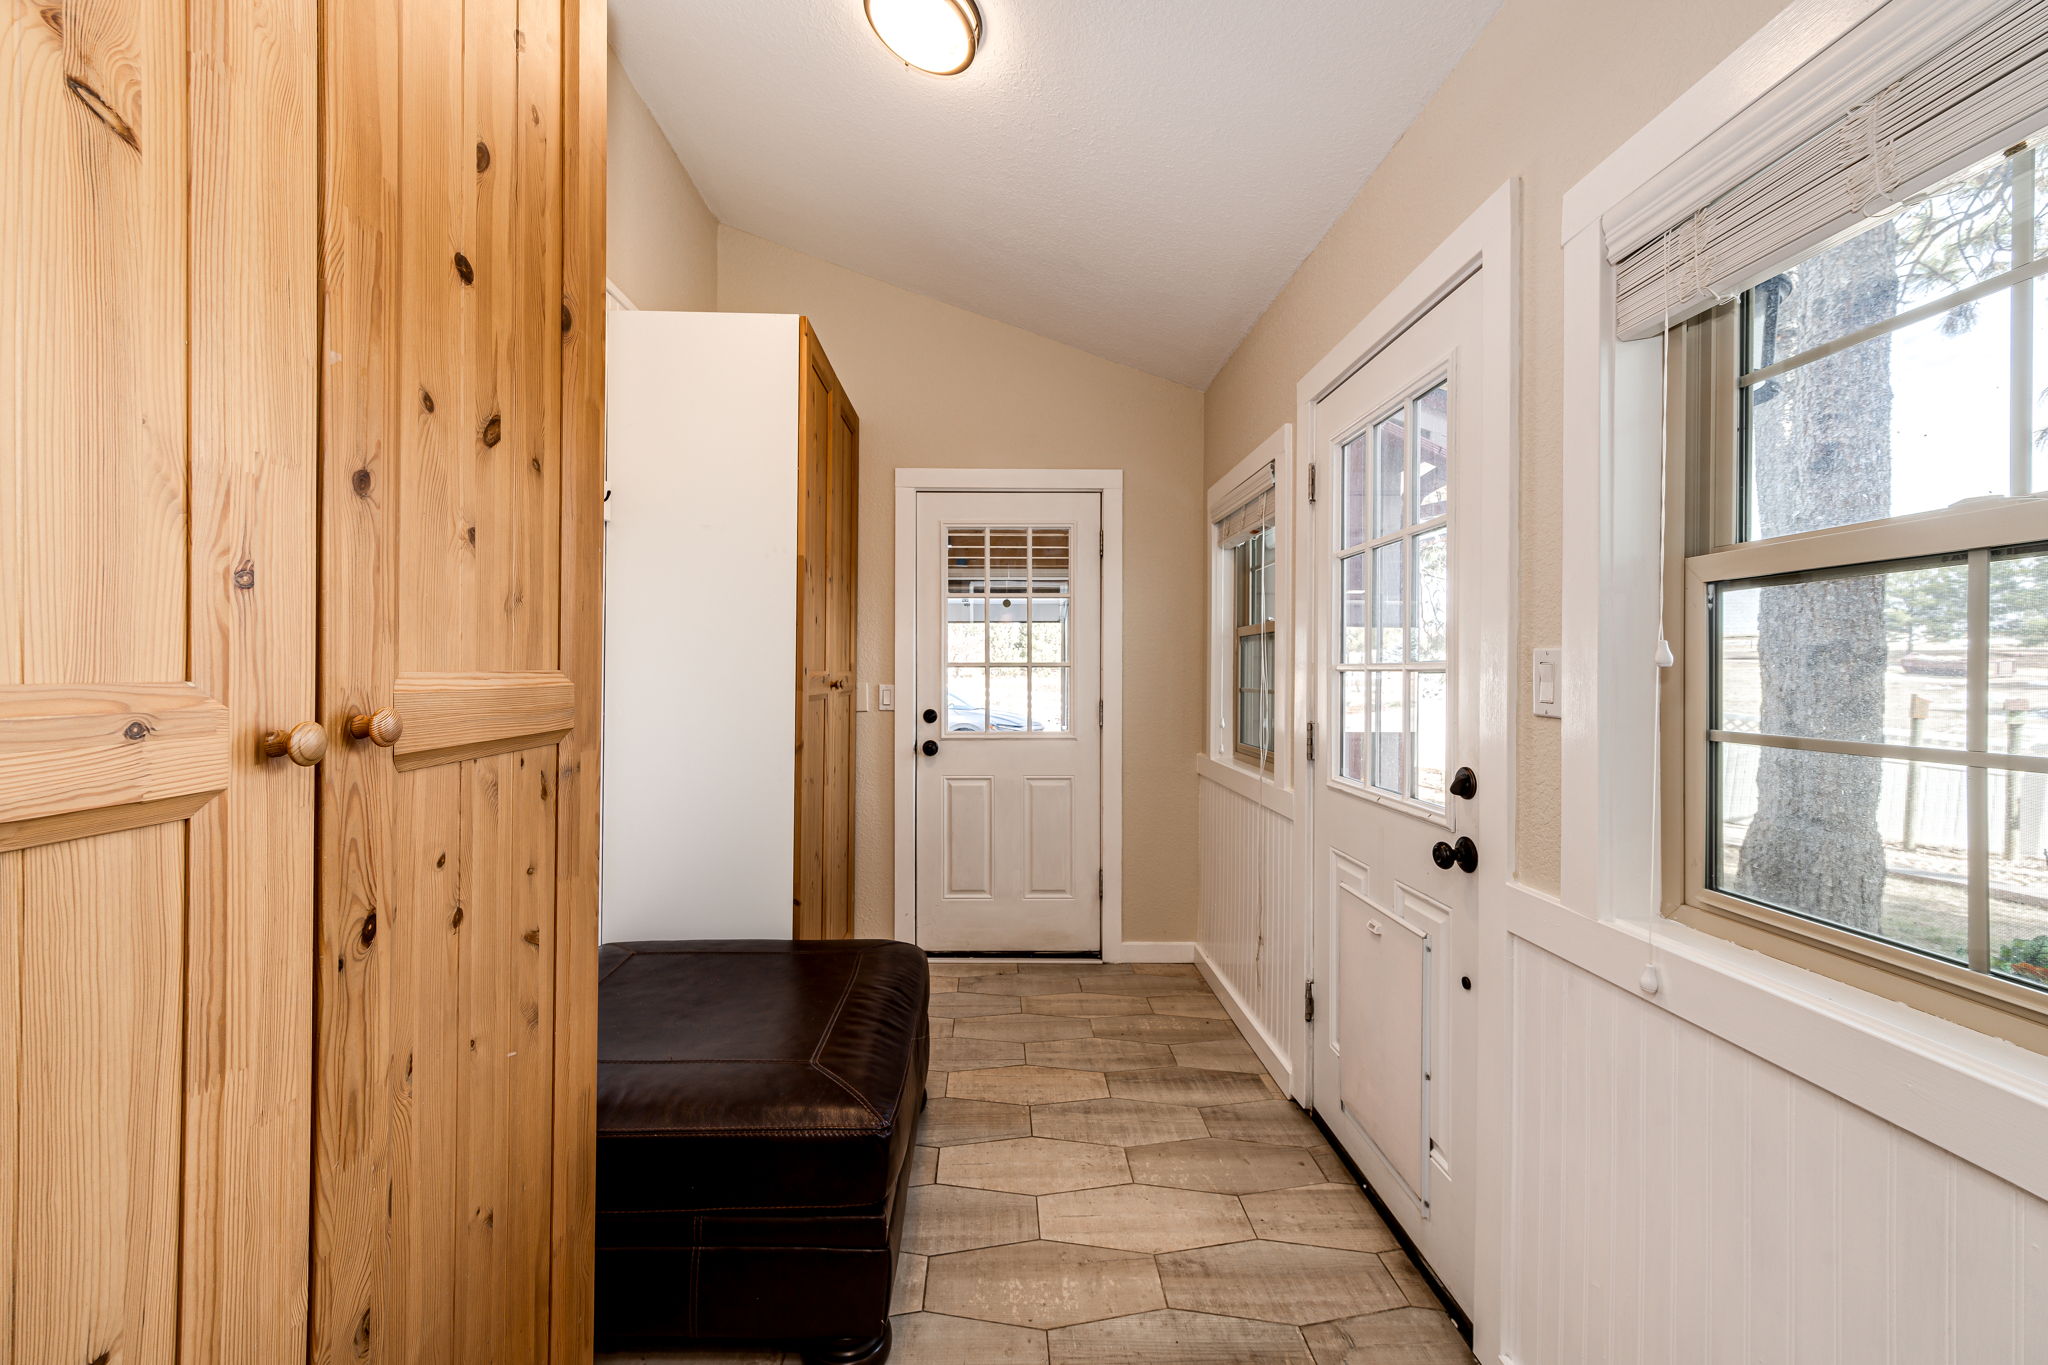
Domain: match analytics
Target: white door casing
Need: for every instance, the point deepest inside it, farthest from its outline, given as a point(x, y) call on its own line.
point(1397, 689)
point(1008, 668)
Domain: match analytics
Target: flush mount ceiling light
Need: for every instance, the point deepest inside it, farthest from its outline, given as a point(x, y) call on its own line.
point(939, 36)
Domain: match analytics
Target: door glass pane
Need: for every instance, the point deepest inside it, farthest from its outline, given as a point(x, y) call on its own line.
point(966, 699)
point(1390, 478)
point(1009, 699)
point(1352, 573)
point(1008, 635)
point(1352, 727)
point(1389, 732)
point(1430, 634)
point(966, 559)
point(1428, 738)
point(1049, 630)
point(1870, 844)
point(1357, 477)
point(2019, 653)
point(1049, 699)
point(1876, 657)
point(1388, 583)
point(2019, 876)
point(966, 635)
point(1433, 453)
point(1909, 421)
point(1051, 560)
point(1009, 562)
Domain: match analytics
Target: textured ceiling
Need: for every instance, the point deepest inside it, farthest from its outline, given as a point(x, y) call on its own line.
point(1137, 178)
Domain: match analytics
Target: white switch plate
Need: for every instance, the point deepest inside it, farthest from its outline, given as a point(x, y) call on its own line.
point(885, 695)
point(1545, 696)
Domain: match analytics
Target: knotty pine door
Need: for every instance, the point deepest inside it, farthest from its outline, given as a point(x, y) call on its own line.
point(460, 491)
point(302, 421)
point(158, 233)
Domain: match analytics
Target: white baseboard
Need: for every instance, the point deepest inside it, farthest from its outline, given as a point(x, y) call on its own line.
point(1254, 1034)
point(1156, 950)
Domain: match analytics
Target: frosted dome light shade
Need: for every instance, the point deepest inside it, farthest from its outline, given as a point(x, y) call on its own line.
point(938, 36)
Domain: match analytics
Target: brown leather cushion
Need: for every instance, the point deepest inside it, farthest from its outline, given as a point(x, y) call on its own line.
point(756, 1074)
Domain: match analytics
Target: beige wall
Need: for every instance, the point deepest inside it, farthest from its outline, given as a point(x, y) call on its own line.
point(1550, 88)
point(937, 386)
point(661, 242)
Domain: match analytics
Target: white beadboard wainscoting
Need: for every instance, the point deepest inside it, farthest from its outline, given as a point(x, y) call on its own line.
point(1251, 937)
point(1679, 1199)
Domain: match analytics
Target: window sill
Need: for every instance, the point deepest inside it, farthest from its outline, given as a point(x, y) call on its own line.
point(1977, 1002)
point(1261, 788)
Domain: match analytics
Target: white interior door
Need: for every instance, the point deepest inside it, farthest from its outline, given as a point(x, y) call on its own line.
point(1396, 668)
point(1009, 723)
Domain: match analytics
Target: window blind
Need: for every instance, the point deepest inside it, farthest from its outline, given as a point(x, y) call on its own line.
point(1990, 84)
point(1246, 509)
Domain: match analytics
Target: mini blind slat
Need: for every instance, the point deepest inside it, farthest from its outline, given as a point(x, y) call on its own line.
point(1986, 85)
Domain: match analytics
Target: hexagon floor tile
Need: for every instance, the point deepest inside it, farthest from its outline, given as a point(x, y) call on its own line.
point(1277, 1282)
point(1411, 1336)
point(1164, 1028)
point(1033, 1166)
point(1043, 1284)
point(1277, 1121)
point(1023, 983)
point(1174, 1337)
point(1119, 1123)
point(935, 1339)
point(1220, 1166)
point(972, 1054)
point(1191, 1006)
point(1082, 1004)
point(945, 1218)
point(1320, 1216)
point(1022, 1028)
point(1191, 1085)
point(969, 1004)
point(1221, 1055)
point(1027, 1085)
point(1100, 1054)
point(1142, 1218)
point(947, 1121)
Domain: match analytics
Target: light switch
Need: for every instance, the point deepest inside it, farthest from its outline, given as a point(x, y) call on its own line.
point(1543, 682)
point(885, 697)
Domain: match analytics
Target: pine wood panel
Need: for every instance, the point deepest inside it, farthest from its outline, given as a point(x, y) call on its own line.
point(155, 556)
point(448, 877)
point(827, 550)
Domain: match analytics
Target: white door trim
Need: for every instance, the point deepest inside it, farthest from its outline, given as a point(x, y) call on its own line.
point(1110, 484)
point(1487, 244)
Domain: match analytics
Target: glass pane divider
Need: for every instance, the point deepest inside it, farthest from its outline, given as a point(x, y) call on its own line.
point(1977, 692)
point(1953, 758)
point(2011, 279)
point(2020, 391)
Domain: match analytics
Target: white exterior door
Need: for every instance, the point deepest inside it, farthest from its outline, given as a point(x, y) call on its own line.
point(1009, 737)
point(1395, 671)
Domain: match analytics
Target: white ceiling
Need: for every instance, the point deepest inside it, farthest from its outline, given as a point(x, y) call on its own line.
point(1138, 178)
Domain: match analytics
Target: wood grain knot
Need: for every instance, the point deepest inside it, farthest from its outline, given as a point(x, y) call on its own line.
point(568, 319)
point(136, 730)
point(245, 575)
point(369, 933)
point(53, 16)
point(426, 400)
point(104, 112)
point(362, 1336)
point(532, 936)
point(455, 920)
point(483, 157)
point(494, 430)
point(360, 482)
point(464, 269)
point(101, 1359)
point(471, 533)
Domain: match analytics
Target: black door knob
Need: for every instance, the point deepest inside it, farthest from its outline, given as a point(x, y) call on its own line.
point(929, 747)
point(1465, 783)
point(1463, 855)
point(931, 717)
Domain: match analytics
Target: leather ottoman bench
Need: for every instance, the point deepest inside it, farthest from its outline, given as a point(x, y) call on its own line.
point(756, 1107)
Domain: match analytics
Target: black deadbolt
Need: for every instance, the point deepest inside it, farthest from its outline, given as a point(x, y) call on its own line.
point(1465, 783)
point(931, 717)
point(1463, 855)
point(930, 747)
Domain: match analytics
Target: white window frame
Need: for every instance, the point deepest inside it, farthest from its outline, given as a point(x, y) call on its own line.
point(1969, 1094)
point(1220, 743)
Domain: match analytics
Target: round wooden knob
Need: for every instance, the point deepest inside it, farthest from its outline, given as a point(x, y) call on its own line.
point(382, 727)
point(304, 744)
